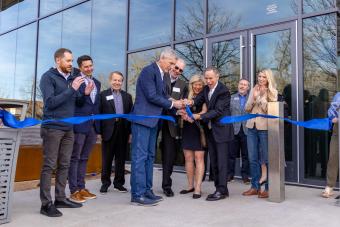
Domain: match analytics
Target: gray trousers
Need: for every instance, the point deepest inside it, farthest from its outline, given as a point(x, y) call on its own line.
point(57, 151)
point(333, 161)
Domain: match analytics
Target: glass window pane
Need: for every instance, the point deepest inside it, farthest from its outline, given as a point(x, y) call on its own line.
point(108, 38)
point(317, 5)
point(28, 11)
point(226, 58)
point(69, 2)
point(9, 15)
point(49, 42)
point(7, 61)
point(150, 22)
point(233, 14)
point(320, 85)
point(192, 53)
point(49, 6)
point(136, 62)
point(189, 19)
point(76, 30)
point(25, 64)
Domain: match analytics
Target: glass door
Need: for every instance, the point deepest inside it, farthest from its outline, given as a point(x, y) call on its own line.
point(228, 54)
point(244, 54)
point(274, 48)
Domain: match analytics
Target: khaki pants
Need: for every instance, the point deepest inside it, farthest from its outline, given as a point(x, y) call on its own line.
point(333, 161)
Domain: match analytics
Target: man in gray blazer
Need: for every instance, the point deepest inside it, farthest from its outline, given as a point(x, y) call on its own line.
point(237, 104)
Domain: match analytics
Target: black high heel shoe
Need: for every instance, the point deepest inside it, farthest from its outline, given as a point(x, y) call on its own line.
point(187, 191)
point(196, 196)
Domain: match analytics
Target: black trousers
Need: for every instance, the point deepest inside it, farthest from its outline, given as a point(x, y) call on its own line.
point(238, 144)
point(169, 147)
point(218, 157)
point(115, 148)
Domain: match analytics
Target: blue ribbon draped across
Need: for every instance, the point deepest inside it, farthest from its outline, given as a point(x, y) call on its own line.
point(10, 121)
point(320, 124)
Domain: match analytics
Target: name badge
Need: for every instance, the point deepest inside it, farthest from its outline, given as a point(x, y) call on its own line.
point(109, 97)
point(236, 98)
point(176, 89)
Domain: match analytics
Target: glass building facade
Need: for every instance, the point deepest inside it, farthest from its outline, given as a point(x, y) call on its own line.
point(297, 39)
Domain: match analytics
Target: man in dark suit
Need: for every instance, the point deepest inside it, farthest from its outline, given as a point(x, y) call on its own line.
point(170, 131)
point(86, 133)
point(151, 99)
point(237, 104)
point(115, 132)
point(217, 97)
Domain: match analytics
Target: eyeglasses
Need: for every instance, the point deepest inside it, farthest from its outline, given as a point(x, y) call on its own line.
point(177, 68)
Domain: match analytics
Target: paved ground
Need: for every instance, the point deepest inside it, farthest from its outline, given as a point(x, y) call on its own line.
point(303, 207)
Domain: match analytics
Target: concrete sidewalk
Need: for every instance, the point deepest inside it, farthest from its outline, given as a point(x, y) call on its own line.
point(303, 207)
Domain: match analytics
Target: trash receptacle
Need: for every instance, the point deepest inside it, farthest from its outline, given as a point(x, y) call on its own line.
point(9, 147)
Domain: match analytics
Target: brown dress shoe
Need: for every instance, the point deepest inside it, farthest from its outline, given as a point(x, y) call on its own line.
point(263, 194)
point(77, 197)
point(251, 191)
point(86, 194)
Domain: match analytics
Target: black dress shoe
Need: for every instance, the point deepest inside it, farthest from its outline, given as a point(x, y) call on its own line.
point(168, 192)
point(67, 204)
point(50, 210)
point(186, 191)
point(103, 189)
point(216, 196)
point(196, 196)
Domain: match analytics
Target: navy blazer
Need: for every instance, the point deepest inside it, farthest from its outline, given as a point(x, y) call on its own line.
point(218, 107)
point(151, 96)
point(85, 107)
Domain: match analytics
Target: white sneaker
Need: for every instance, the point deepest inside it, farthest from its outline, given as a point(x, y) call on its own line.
point(328, 192)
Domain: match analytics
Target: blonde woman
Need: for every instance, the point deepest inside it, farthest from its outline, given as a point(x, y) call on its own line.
point(257, 138)
point(192, 142)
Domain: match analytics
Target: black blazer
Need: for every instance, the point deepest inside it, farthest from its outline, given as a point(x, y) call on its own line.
point(108, 107)
point(218, 107)
point(85, 107)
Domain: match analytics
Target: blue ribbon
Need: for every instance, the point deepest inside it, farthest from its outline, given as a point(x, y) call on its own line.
point(320, 123)
point(10, 121)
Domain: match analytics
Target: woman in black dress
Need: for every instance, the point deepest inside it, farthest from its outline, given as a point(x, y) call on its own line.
point(192, 142)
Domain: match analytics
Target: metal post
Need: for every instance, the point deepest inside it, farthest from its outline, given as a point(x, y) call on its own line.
point(276, 156)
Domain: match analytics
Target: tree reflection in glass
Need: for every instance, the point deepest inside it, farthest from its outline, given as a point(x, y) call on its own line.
point(320, 85)
point(317, 5)
point(192, 53)
point(189, 19)
point(136, 62)
point(226, 15)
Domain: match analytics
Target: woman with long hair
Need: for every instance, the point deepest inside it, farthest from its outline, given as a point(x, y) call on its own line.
point(257, 138)
point(193, 141)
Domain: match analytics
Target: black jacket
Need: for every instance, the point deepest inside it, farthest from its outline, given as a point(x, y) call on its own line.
point(108, 107)
point(59, 98)
point(218, 107)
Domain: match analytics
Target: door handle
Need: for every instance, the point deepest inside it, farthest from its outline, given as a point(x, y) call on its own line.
point(252, 60)
point(241, 56)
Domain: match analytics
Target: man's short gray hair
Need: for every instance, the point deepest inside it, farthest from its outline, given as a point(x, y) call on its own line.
point(214, 69)
point(181, 60)
point(168, 53)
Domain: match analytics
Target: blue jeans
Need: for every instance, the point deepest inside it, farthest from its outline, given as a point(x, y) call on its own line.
point(257, 141)
point(82, 147)
point(142, 157)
